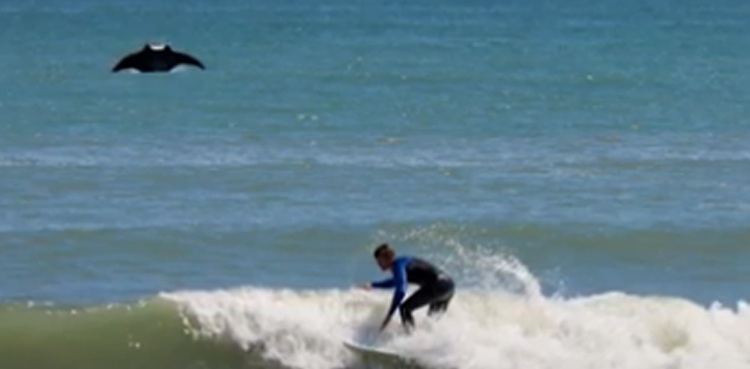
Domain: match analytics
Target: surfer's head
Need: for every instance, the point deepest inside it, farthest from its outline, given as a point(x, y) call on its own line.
point(384, 256)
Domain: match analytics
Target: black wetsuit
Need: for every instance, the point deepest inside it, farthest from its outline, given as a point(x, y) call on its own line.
point(436, 288)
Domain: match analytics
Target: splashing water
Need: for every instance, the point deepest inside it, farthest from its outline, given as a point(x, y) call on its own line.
point(486, 327)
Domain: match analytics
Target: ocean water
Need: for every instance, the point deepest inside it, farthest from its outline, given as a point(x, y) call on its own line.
point(581, 168)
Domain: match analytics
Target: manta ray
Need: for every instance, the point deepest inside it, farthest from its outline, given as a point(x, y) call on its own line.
point(156, 58)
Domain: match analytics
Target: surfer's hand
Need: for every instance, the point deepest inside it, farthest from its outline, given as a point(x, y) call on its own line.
point(365, 286)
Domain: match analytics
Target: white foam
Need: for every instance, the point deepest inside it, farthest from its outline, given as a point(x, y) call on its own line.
point(300, 329)
point(482, 329)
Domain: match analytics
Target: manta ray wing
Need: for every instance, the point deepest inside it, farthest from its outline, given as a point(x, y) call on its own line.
point(182, 58)
point(129, 61)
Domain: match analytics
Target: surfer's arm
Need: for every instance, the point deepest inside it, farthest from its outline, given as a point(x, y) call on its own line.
point(386, 283)
point(399, 281)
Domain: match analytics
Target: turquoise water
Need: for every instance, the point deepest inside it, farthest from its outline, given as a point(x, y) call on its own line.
point(580, 168)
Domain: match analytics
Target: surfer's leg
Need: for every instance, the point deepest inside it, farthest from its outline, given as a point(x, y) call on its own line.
point(444, 292)
point(422, 297)
point(438, 307)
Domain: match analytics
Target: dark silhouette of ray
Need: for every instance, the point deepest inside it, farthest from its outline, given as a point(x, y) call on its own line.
point(156, 58)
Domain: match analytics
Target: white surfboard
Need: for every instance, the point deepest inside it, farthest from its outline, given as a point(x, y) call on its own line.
point(382, 357)
point(373, 352)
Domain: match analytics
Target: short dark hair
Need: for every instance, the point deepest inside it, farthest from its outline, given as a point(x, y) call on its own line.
point(383, 247)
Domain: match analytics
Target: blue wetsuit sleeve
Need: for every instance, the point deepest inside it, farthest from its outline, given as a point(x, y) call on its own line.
point(399, 282)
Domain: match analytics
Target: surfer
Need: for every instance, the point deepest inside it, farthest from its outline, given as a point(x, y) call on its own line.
point(435, 287)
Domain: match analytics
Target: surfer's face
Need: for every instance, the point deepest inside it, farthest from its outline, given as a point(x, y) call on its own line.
point(384, 261)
